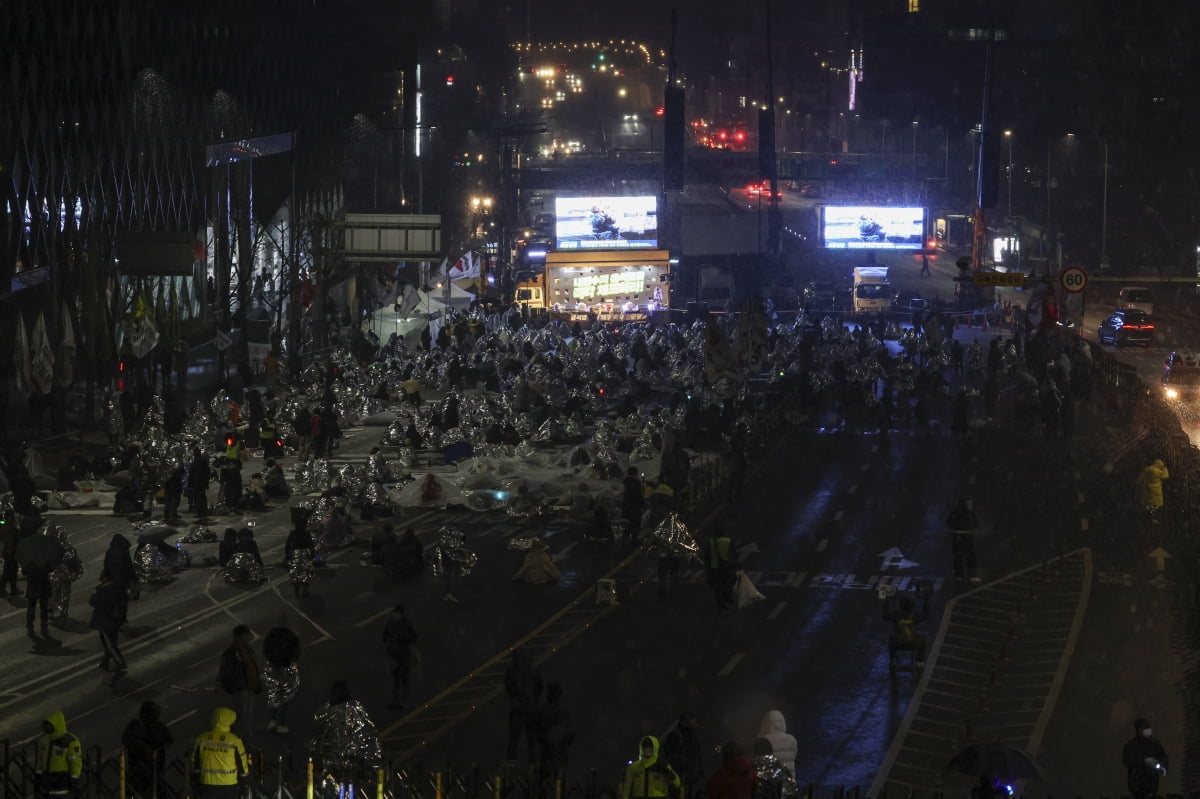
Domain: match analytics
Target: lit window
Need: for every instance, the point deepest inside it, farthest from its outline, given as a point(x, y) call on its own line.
point(914, 6)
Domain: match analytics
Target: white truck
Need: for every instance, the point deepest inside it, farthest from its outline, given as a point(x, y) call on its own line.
point(871, 293)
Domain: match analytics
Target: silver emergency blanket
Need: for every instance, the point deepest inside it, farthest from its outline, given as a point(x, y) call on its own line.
point(282, 683)
point(672, 537)
point(449, 552)
point(345, 740)
point(198, 534)
point(158, 564)
point(774, 777)
point(378, 470)
point(300, 566)
point(311, 476)
point(243, 568)
point(522, 543)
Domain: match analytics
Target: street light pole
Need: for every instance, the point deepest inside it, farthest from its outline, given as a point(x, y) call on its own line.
point(1008, 135)
point(1104, 214)
point(914, 149)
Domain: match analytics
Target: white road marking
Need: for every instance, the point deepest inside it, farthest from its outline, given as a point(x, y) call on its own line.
point(1083, 525)
point(822, 544)
point(374, 617)
point(731, 665)
point(774, 614)
point(852, 489)
point(326, 635)
point(837, 517)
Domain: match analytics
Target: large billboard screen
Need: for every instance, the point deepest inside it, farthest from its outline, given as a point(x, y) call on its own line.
point(605, 223)
point(872, 227)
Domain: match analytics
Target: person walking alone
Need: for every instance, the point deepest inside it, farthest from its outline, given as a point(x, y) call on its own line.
point(108, 613)
point(399, 636)
point(1150, 488)
point(962, 523)
point(281, 650)
point(722, 568)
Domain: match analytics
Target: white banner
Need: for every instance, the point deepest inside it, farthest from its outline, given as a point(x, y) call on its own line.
point(143, 337)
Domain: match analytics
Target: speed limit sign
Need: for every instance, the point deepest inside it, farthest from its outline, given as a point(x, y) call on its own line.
point(1073, 279)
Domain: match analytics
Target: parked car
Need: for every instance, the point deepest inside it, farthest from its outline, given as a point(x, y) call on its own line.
point(1126, 327)
point(907, 301)
point(823, 295)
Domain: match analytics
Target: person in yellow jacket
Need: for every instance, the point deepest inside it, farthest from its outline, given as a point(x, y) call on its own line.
point(1150, 488)
point(219, 759)
point(59, 760)
point(649, 777)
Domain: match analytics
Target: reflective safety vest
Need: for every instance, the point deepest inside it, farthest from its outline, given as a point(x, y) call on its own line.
point(220, 758)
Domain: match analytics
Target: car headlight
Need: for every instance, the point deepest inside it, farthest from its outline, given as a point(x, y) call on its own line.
point(1172, 393)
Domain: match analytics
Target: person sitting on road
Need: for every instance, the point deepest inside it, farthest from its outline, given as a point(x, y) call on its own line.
point(275, 481)
point(905, 616)
point(247, 544)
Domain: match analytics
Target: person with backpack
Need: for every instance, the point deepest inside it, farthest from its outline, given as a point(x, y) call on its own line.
point(146, 740)
point(523, 683)
point(649, 777)
point(238, 674)
point(399, 636)
point(281, 649)
point(905, 616)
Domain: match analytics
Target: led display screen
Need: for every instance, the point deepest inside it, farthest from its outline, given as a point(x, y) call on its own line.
point(605, 223)
point(872, 227)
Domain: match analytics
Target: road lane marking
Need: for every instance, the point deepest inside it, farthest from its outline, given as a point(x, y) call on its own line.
point(837, 517)
point(864, 467)
point(774, 614)
point(731, 665)
point(1083, 525)
point(369, 620)
point(326, 635)
point(852, 489)
point(822, 544)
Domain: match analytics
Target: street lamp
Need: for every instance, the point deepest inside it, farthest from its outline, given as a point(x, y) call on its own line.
point(914, 149)
point(1008, 135)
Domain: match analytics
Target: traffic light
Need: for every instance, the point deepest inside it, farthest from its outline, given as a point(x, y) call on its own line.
point(673, 127)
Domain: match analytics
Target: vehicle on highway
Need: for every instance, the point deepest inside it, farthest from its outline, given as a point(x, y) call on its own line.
point(1181, 376)
point(1126, 327)
point(762, 188)
point(1136, 298)
point(907, 301)
point(873, 294)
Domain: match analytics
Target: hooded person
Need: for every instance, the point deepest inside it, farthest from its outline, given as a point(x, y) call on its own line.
point(1145, 761)
point(736, 779)
point(118, 561)
point(649, 776)
point(146, 740)
point(219, 758)
point(1150, 488)
point(783, 745)
point(59, 759)
point(774, 779)
point(227, 547)
point(345, 743)
point(281, 675)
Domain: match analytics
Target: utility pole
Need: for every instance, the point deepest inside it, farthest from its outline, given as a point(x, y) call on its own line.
point(980, 232)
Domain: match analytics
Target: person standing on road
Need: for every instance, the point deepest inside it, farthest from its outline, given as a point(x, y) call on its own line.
point(219, 758)
point(9, 535)
point(281, 650)
point(1145, 761)
point(59, 760)
point(555, 736)
point(925, 270)
point(108, 613)
point(737, 778)
point(399, 635)
point(523, 683)
point(118, 562)
point(633, 503)
point(962, 523)
point(146, 740)
point(649, 777)
point(783, 745)
point(238, 674)
point(1150, 488)
point(722, 568)
point(298, 554)
point(198, 476)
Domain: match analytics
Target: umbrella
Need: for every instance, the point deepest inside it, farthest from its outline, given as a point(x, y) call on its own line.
point(995, 760)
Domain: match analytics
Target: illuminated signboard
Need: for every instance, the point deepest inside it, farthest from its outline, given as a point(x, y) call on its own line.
point(605, 223)
point(872, 227)
point(608, 284)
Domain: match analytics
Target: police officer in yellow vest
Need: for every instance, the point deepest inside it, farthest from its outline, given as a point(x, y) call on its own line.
point(266, 436)
point(59, 759)
point(219, 759)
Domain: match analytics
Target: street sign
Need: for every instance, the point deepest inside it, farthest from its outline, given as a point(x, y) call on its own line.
point(1073, 279)
point(1010, 279)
